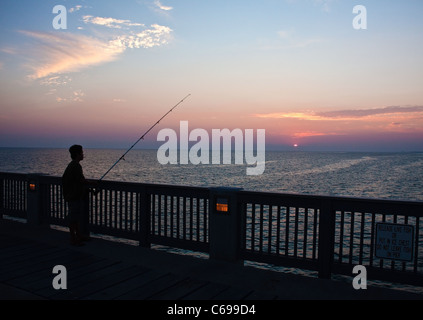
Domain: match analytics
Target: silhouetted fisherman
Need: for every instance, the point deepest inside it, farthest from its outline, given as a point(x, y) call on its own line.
point(75, 192)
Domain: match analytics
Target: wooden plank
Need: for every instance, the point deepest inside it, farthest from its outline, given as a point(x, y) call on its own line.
point(76, 287)
point(99, 283)
point(254, 295)
point(43, 278)
point(233, 293)
point(206, 292)
point(8, 242)
point(36, 264)
point(19, 251)
point(179, 290)
point(77, 277)
point(122, 288)
point(152, 287)
point(22, 267)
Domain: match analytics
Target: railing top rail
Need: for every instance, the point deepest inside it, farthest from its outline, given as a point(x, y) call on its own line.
point(272, 198)
point(336, 200)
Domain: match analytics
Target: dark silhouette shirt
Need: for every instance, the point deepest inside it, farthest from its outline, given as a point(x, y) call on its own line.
point(73, 182)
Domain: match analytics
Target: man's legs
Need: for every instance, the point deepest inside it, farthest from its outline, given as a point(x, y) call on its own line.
point(75, 214)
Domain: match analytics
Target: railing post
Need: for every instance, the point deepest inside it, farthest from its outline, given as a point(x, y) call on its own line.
point(144, 218)
point(1, 197)
point(225, 225)
point(326, 239)
point(36, 194)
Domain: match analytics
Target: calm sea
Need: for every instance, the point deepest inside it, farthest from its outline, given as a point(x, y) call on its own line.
point(368, 175)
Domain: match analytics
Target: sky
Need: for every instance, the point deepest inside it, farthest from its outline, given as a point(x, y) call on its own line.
point(300, 69)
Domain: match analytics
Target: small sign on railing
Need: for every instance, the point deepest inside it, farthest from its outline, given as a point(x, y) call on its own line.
point(394, 241)
point(222, 205)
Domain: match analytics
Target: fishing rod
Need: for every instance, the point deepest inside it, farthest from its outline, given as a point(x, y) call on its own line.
point(142, 137)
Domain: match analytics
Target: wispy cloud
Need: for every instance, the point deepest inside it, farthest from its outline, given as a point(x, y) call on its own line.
point(351, 114)
point(74, 9)
point(155, 36)
point(159, 5)
point(361, 113)
point(56, 54)
point(75, 96)
point(308, 134)
point(66, 52)
point(110, 22)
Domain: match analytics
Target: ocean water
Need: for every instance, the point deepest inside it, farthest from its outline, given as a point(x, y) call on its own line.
point(365, 175)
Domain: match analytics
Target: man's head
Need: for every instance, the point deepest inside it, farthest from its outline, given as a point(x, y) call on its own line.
point(76, 152)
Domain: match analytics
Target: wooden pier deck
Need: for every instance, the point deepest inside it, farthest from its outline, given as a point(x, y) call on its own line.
point(110, 270)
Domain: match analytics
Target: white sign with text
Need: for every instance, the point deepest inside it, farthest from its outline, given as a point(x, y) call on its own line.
point(394, 241)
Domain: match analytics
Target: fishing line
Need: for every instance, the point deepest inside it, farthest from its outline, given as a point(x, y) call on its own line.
point(142, 137)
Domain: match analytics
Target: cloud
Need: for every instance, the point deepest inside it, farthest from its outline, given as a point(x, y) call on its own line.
point(308, 134)
point(352, 114)
point(75, 96)
point(66, 52)
point(288, 115)
point(162, 7)
point(55, 53)
point(361, 113)
point(110, 22)
point(74, 9)
point(155, 36)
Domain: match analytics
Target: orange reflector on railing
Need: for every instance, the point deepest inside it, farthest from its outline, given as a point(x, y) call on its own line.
point(222, 205)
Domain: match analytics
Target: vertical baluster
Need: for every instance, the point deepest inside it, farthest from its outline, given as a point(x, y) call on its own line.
point(165, 215)
point(269, 241)
point(287, 222)
point(191, 218)
point(352, 222)
point(278, 229)
point(261, 228)
point(184, 212)
point(102, 206)
point(159, 214)
point(131, 212)
point(111, 208)
point(305, 235)
point(360, 257)
point(137, 211)
point(341, 236)
point(120, 216)
point(115, 209)
point(296, 232)
point(178, 218)
point(253, 226)
point(315, 216)
point(205, 220)
point(153, 214)
point(198, 218)
point(172, 222)
point(416, 244)
point(372, 237)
